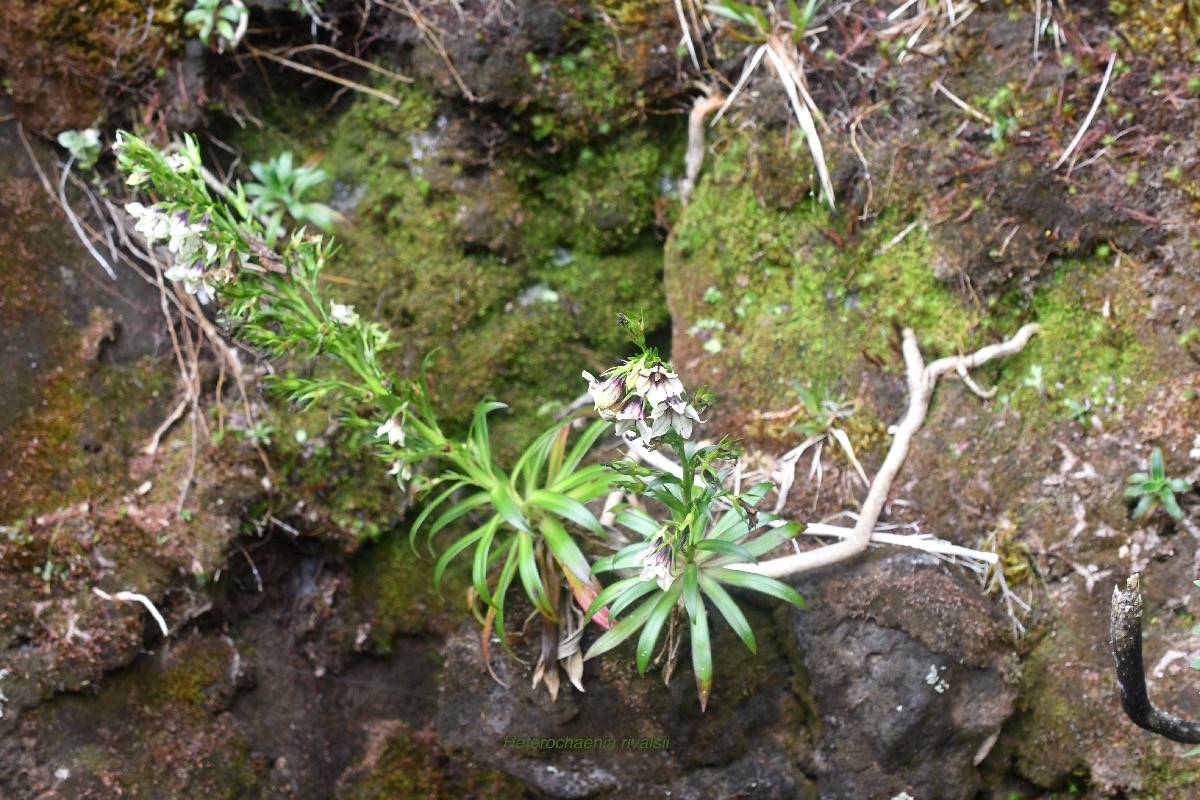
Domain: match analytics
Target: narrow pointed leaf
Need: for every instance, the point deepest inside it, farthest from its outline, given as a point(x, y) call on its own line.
point(565, 551)
point(1171, 505)
point(502, 583)
point(621, 631)
point(771, 539)
point(566, 508)
point(607, 594)
point(429, 509)
point(755, 493)
point(701, 654)
point(531, 578)
point(457, 510)
point(454, 549)
point(638, 521)
point(503, 500)
point(758, 583)
point(479, 429)
point(632, 595)
point(654, 624)
point(534, 458)
point(628, 557)
point(481, 561)
point(581, 448)
point(592, 472)
point(735, 551)
point(729, 609)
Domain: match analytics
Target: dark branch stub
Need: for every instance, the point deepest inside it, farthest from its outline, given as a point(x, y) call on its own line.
point(1126, 630)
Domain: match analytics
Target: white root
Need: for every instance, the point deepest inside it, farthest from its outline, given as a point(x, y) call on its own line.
point(921, 381)
point(134, 597)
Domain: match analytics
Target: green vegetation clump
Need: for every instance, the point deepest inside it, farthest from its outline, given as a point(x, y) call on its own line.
point(414, 765)
point(784, 301)
point(1167, 29)
point(514, 278)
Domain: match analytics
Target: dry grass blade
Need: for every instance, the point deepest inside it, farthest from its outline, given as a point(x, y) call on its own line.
point(307, 70)
point(844, 441)
point(747, 71)
point(61, 198)
point(687, 33)
point(1112, 60)
point(794, 88)
point(333, 51)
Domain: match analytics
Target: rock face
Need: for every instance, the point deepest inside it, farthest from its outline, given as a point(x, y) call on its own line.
point(910, 670)
point(645, 738)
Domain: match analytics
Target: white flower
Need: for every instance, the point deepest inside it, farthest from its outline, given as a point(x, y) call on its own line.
point(631, 415)
point(342, 314)
point(193, 279)
point(402, 471)
point(393, 431)
point(181, 162)
point(184, 240)
point(667, 416)
point(657, 563)
point(151, 221)
point(606, 393)
point(656, 384)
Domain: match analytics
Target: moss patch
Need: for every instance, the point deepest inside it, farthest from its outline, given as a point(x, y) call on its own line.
point(770, 298)
point(403, 764)
point(516, 272)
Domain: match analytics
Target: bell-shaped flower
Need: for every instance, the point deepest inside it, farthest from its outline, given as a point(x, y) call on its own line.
point(151, 222)
point(402, 471)
point(606, 393)
point(677, 415)
point(658, 562)
point(656, 384)
point(393, 430)
point(193, 278)
point(630, 415)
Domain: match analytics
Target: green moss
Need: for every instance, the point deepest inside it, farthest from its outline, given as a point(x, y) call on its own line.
point(332, 467)
point(602, 200)
point(597, 85)
point(414, 765)
point(393, 586)
point(785, 304)
point(79, 440)
point(194, 670)
point(1081, 355)
point(514, 277)
point(792, 305)
point(1167, 29)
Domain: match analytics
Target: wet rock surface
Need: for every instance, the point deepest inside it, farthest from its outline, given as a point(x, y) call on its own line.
point(323, 675)
point(628, 733)
point(912, 674)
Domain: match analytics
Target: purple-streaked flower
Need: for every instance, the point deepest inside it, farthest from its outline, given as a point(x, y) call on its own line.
point(630, 415)
point(606, 393)
point(658, 562)
point(666, 417)
point(393, 430)
point(656, 384)
point(192, 277)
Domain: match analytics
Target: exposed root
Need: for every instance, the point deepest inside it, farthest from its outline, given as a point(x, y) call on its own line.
point(134, 597)
point(694, 158)
point(922, 379)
